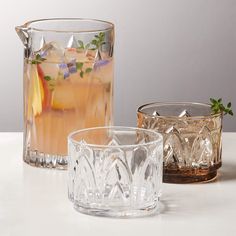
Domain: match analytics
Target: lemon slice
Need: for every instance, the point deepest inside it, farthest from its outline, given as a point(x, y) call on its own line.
point(36, 93)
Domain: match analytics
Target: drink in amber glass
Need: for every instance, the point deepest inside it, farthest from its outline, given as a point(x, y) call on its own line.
point(192, 144)
point(68, 81)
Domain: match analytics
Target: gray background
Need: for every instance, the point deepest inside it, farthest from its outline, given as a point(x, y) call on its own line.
point(166, 50)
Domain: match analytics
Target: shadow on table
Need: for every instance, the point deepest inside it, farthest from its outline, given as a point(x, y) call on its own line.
point(227, 172)
point(168, 207)
point(172, 208)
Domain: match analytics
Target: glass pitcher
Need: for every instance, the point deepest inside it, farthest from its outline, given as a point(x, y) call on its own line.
point(68, 84)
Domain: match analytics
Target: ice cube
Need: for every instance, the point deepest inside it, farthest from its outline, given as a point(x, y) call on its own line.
point(53, 52)
point(75, 54)
point(50, 69)
point(103, 70)
point(92, 54)
point(54, 55)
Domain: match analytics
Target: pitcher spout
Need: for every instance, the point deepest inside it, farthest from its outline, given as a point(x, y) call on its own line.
point(23, 33)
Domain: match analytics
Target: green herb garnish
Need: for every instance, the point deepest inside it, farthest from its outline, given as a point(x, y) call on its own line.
point(47, 77)
point(88, 70)
point(217, 106)
point(81, 74)
point(79, 65)
point(51, 82)
point(95, 44)
point(38, 59)
point(82, 46)
point(98, 41)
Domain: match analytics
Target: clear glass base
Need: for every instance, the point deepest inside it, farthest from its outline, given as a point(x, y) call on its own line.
point(119, 212)
point(39, 159)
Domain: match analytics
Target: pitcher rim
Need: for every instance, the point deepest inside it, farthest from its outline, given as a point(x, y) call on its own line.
point(109, 26)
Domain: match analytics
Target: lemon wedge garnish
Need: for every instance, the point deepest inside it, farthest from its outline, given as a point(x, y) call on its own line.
point(36, 93)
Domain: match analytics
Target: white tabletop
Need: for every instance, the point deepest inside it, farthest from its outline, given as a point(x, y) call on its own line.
point(34, 202)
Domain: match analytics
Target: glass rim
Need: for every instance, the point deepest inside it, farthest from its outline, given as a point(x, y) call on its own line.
point(27, 25)
point(139, 110)
point(158, 137)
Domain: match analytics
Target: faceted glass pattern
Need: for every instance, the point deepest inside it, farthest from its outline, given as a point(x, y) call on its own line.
point(191, 137)
point(115, 171)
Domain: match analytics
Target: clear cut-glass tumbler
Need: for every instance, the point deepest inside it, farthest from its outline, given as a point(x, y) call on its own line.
point(68, 84)
point(115, 171)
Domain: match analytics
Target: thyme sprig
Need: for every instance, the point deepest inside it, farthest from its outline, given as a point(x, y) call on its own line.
point(217, 106)
point(79, 66)
point(38, 59)
point(95, 44)
point(98, 40)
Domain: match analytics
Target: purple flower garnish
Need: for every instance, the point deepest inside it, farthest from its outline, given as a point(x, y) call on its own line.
point(100, 63)
point(63, 66)
point(66, 74)
point(64, 70)
point(72, 66)
point(43, 53)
